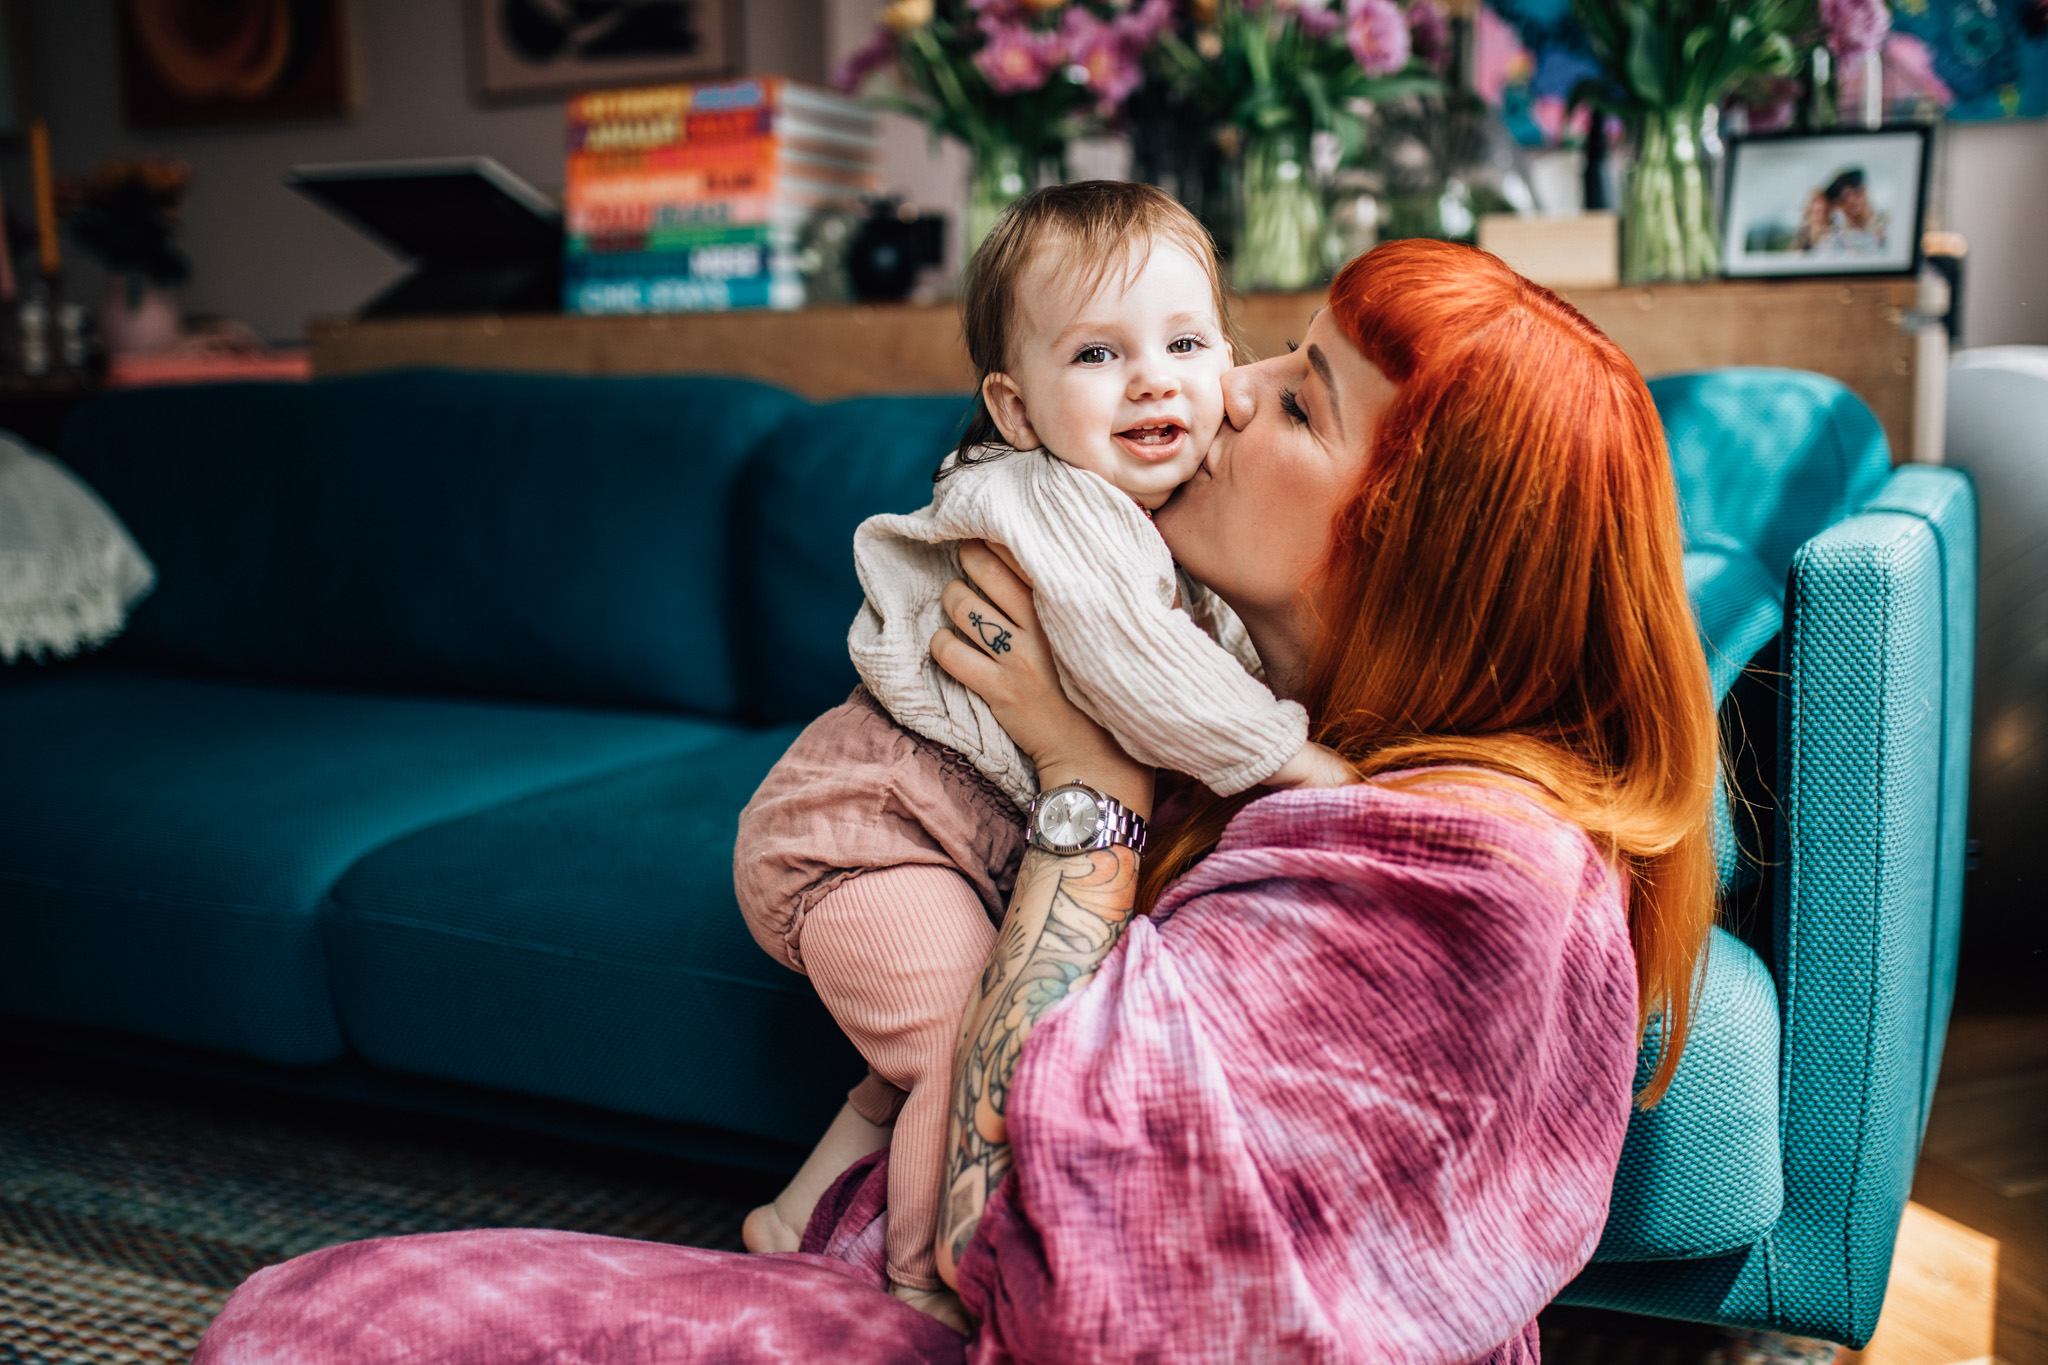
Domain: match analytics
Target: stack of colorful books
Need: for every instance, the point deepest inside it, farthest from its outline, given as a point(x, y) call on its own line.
point(683, 198)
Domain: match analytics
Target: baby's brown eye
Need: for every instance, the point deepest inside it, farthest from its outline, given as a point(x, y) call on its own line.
point(1093, 355)
point(1183, 345)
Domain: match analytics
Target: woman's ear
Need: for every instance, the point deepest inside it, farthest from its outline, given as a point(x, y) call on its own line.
point(1006, 405)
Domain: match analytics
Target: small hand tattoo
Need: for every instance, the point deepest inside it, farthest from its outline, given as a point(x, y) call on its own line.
point(993, 636)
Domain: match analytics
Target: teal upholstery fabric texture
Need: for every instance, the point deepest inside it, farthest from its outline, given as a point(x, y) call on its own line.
point(1667, 1204)
point(166, 842)
point(584, 943)
point(794, 592)
point(1810, 453)
point(533, 536)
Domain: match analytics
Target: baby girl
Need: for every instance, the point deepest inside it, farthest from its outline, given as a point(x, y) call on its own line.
point(879, 854)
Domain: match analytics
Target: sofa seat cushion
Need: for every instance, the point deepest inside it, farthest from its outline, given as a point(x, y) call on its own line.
point(1703, 1171)
point(552, 537)
point(166, 842)
point(584, 944)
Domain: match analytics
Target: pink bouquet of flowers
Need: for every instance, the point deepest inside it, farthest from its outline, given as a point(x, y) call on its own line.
point(1013, 80)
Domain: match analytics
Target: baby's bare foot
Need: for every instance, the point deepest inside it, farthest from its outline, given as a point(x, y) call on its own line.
point(942, 1304)
point(764, 1230)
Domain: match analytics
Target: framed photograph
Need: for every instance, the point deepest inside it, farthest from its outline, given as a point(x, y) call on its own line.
point(1846, 202)
point(543, 49)
point(186, 63)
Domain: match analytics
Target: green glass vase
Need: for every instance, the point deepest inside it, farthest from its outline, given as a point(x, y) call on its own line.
point(1668, 226)
point(997, 177)
point(1281, 215)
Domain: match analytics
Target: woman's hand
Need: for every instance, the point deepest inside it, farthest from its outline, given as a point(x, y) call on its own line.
point(997, 648)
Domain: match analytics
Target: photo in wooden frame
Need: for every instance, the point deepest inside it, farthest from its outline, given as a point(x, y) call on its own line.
point(542, 49)
point(188, 63)
point(1849, 201)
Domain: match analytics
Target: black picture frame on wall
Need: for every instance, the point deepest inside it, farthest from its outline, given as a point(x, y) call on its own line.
point(1845, 201)
point(546, 49)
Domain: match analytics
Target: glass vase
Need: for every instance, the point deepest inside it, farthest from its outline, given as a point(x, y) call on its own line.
point(996, 178)
point(1668, 229)
point(1281, 223)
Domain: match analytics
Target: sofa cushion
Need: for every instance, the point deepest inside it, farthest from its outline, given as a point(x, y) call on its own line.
point(520, 535)
point(829, 468)
point(165, 842)
point(1702, 1172)
point(584, 944)
point(1768, 458)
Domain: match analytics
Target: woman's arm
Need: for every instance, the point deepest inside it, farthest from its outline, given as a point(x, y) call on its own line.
point(1066, 913)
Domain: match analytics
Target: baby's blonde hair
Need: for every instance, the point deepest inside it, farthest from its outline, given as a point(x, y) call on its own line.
point(1099, 224)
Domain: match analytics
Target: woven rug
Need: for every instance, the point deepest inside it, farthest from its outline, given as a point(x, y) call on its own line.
point(130, 1206)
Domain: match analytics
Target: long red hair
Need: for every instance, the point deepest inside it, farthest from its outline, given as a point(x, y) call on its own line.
point(1505, 591)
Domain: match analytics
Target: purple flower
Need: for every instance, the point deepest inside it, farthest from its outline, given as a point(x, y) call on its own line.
point(1429, 32)
point(1378, 33)
point(1318, 19)
point(1102, 58)
point(1855, 27)
point(1014, 59)
point(871, 56)
point(1141, 26)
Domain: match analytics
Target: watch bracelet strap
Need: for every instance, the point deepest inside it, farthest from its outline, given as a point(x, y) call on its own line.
point(1124, 827)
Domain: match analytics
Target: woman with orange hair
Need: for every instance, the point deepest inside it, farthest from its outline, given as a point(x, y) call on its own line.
point(1335, 1074)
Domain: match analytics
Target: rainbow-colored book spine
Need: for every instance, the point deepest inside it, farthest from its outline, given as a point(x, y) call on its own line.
point(684, 198)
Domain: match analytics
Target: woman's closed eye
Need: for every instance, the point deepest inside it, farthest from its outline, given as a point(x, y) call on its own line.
point(1290, 403)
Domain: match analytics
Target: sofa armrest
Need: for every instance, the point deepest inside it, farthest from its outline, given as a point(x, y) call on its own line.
point(1872, 784)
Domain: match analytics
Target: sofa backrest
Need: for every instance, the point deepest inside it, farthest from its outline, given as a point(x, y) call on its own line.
point(509, 534)
point(794, 589)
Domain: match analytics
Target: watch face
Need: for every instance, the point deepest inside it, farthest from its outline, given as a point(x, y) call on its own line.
point(1069, 818)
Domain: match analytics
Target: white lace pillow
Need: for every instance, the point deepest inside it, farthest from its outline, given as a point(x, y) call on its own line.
point(69, 571)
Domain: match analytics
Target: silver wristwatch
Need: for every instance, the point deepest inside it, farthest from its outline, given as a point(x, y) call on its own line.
point(1077, 819)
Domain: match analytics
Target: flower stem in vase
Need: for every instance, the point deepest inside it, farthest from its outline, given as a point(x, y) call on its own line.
point(996, 179)
point(1280, 235)
point(1668, 227)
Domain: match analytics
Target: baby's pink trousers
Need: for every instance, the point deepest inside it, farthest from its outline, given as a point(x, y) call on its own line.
point(880, 864)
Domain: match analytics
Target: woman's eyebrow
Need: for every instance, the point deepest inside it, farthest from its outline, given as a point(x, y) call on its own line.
point(1321, 365)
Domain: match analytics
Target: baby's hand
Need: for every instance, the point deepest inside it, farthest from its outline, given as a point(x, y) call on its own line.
point(1314, 766)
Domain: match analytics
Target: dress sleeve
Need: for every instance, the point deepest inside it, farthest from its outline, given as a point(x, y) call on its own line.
point(1355, 1092)
point(1105, 586)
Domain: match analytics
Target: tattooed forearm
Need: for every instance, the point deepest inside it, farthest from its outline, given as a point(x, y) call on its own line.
point(1065, 917)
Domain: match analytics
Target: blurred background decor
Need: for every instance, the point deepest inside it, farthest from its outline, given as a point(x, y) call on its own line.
point(192, 62)
point(1283, 94)
point(126, 216)
point(1667, 67)
point(1014, 81)
point(1992, 55)
point(543, 49)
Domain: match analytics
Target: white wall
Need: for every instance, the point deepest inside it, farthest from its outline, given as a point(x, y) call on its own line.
point(259, 251)
point(1997, 180)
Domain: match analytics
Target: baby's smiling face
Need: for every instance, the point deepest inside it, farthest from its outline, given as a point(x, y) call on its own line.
point(1124, 378)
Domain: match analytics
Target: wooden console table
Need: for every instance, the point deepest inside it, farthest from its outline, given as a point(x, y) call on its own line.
point(1864, 333)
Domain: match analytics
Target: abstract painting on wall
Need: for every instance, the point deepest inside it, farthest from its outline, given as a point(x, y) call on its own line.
point(1992, 54)
point(541, 48)
point(191, 62)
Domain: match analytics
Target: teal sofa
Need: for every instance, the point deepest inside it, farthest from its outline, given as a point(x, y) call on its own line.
point(417, 777)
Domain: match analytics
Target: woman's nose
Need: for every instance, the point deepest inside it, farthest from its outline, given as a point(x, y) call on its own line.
point(1240, 395)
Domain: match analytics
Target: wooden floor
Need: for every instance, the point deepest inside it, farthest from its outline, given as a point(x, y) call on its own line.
point(1970, 1280)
